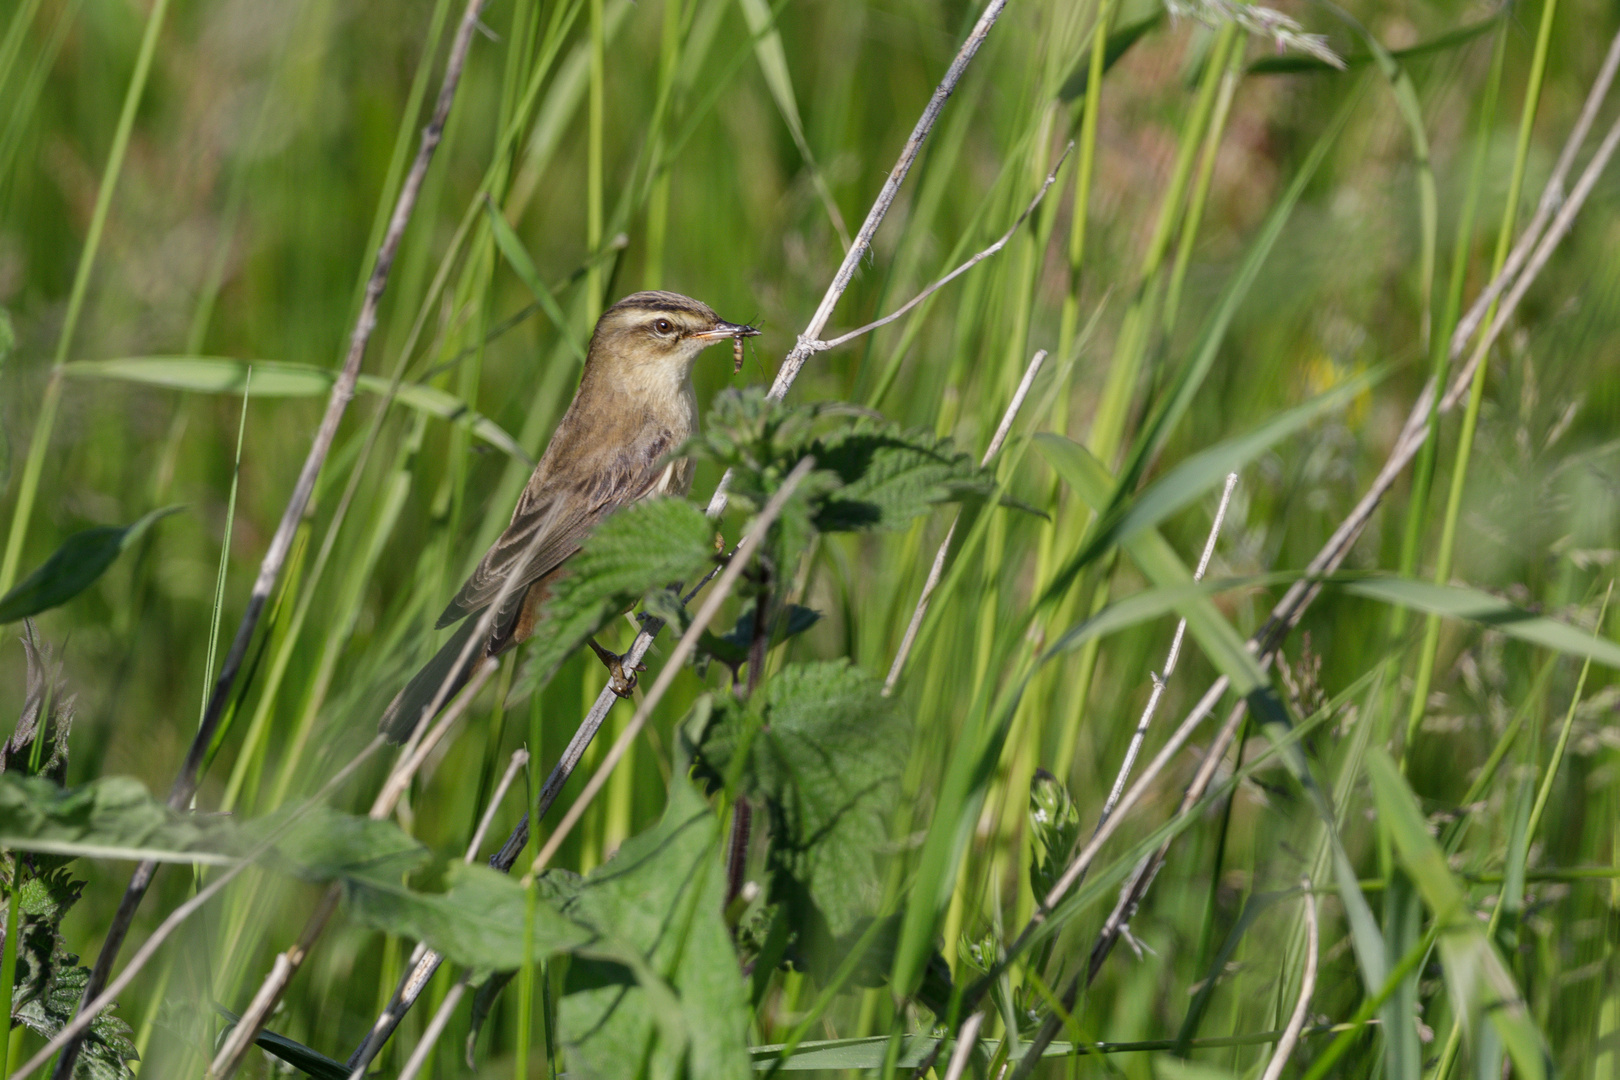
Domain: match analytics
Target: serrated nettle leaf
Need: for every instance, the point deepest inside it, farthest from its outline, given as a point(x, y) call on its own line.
point(888, 476)
point(322, 844)
point(823, 749)
point(116, 817)
point(731, 648)
point(643, 547)
point(1481, 988)
point(870, 474)
point(280, 378)
point(74, 567)
point(49, 984)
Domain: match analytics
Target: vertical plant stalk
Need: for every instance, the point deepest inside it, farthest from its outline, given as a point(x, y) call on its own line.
point(938, 568)
point(1531, 254)
point(185, 784)
point(390, 1017)
point(252, 1021)
point(964, 1047)
point(28, 487)
point(1307, 986)
point(1465, 441)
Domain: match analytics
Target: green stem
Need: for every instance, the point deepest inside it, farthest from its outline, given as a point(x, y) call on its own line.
point(1476, 393)
point(8, 964)
point(52, 398)
point(593, 167)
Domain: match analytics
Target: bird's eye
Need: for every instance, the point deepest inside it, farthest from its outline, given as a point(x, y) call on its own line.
point(663, 326)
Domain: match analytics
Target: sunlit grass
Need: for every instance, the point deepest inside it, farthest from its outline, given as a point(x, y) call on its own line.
point(227, 200)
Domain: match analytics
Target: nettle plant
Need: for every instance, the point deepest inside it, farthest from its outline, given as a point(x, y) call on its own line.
point(660, 956)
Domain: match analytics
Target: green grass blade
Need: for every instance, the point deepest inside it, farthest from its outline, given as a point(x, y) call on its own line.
point(1481, 989)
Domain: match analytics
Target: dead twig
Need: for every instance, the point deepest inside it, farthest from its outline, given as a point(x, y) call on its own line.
point(1307, 986)
point(938, 568)
point(275, 556)
point(1051, 178)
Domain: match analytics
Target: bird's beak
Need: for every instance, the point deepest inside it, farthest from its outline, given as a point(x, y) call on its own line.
point(723, 329)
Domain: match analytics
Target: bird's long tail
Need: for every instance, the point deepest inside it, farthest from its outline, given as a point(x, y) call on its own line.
point(410, 705)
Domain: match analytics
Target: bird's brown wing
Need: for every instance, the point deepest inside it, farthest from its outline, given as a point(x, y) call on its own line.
point(563, 510)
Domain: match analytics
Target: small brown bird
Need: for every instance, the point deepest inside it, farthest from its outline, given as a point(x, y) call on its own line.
point(634, 406)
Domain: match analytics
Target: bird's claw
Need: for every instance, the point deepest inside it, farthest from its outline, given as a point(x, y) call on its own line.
point(621, 680)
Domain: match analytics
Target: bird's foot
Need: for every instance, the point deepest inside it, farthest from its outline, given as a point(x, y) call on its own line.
point(621, 679)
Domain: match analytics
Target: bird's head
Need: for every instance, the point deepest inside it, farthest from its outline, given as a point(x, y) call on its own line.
point(660, 331)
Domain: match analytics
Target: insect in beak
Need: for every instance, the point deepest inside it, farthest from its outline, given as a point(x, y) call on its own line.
point(736, 332)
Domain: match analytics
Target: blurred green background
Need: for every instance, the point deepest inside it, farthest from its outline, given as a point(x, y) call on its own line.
point(730, 152)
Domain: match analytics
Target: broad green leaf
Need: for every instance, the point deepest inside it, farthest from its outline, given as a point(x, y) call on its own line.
point(117, 818)
point(518, 259)
point(110, 818)
point(870, 474)
point(660, 900)
point(889, 476)
point(281, 378)
point(824, 751)
point(1456, 602)
point(74, 567)
point(642, 547)
point(477, 921)
point(1482, 990)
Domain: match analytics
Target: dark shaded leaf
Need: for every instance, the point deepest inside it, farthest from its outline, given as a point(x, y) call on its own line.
point(49, 984)
point(73, 567)
point(823, 748)
point(305, 1059)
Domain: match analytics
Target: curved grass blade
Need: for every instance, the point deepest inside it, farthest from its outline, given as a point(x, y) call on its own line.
point(282, 378)
point(1456, 602)
point(1482, 990)
point(523, 266)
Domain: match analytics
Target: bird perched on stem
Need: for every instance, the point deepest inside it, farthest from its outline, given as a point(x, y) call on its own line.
point(633, 408)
